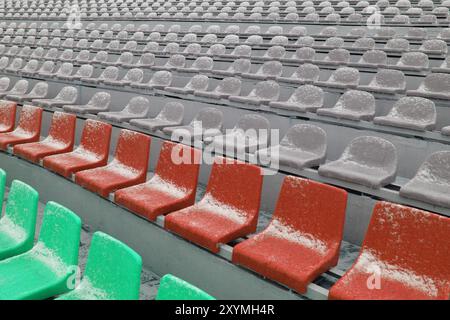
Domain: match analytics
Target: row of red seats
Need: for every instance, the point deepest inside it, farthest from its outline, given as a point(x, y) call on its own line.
point(404, 255)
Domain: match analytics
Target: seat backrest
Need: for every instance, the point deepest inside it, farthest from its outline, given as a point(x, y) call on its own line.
point(203, 63)
point(435, 169)
point(308, 94)
point(241, 65)
point(390, 78)
point(306, 137)
point(271, 68)
point(229, 85)
point(172, 111)
point(417, 109)
point(47, 67)
point(435, 45)
point(138, 106)
point(162, 77)
point(7, 115)
point(216, 49)
point(242, 50)
point(147, 59)
point(414, 59)
point(312, 213)
point(65, 69)
point(210, 118)
point(339, 55)
point(101, 56)
point(176, 61)
point(20, 86)
point(193, 48)
point(32, 65)
point(100, 99)
point(173, 288)
point(68, 94)
point(398, 44)
point(85, 71)
point(134, 75)
point(110, 73)
point(198, 82)
point(253, 122)
point(30, 120)
point(374, 57)
point(345, 75)
point(414, 242)
point(266, 90)
point(62, 128)
point(437, 82)
point(112, 268)
point(357, 101)
point(133, 150)
point(275, 52)
point(95, 139)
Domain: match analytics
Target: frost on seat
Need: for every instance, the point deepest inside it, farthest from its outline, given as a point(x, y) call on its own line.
point(337, 57)
point(435, 85)
point(372, 58)
point(228, 210)
point(129, 166)
point(173, 288)
point(303, 238)
point(263, 93)
point(60, 139)
point(306, 98)
point(7, 115)
point(369, 161)
point(229, 86)
point(159, 80)
point(386, 81)
point(198, 82)
point(39, 90)
point(238, 67)
point(51, 260)
point(431, 182)
point(305, 73)
point(352, 105)
point(113, 272)
point(171, 115)
point(171, 188)
point(99, 102)
point(413, 61)
point(342, 78)
point(28, 129)
point(404, 256)
point(17, 226)
point(413, 113)
point(67, 95)
point(434, 46)
point(303, 146)
point(136, 108)
point(269, 70)
point(20, 87)
point(92, 152)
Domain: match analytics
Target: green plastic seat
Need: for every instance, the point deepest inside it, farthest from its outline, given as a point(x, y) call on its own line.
point(43, 272)
point(113, 272)
point(2, 188)
point(173, 288)
point(18, 224)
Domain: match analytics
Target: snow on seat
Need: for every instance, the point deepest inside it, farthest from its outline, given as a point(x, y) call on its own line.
point(17, 226)
point(337, 57)
point(229, 86)
point(397, 44)
point(216, 50)
point(352, 105)
point(305, 73)
point(134, 75)
point(67, 95)
point(306, 98)
point(241, 51)
point(39, 90)
point(136, 108)
point(413, 113)
point(129, 166)
point(404, 256)
point(159, 80)
point(100, 57)
point(171, 114)
point(28, 129)
point(303, 54)
point(7, 115)
point(434, 46)
point(60, 139)
point(269, 70)
point(274, 53)
point(413, 61)
point(4, 85)
point(173, 288)
point(250, 134)
point(92, 152)
point(198, 82)
point(238, 67)
point(431, 182)
point(387, 81)
point(30, 68)
point(99, 102)
point(435, 85)
point(15, 65)
point(303, 146)
point(171, 188)
point(64, 71)
point(110, 73)
point(43, 272)
point(113, 272)
point(84, 71)
point(367, 160)
point(20, 87)
point(263, 93)
point(342, 78)
point(174, 62)
point(146, 60)
point(372, 58)
point(228, 210)
point(303, 238)
point(201, 64)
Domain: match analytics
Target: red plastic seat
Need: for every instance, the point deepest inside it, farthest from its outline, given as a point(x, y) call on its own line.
point(7, 115)
point(92, 152)
point(129, 166)
point(172, 187)
point(228, 210)
point(60, 139)
point(405, 255)
point(303, 238)
point(28, 129)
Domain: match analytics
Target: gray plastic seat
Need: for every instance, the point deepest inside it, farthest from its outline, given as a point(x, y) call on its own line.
point(364, 44)
point(64, 71)
point(110, 73)
point(39, 90)
point(413, 61)
point(146, 60)
point(20, 87)
point(197, 83)
point(352, 105)
point(67, 95)
point(333, 42)
point(200, 64)
point(263, 93)
point(137, 108)
point(397, 44)
point(242, 51)
point(84, 71)
point(159, 80)
point(367, 160)
point(83, 56)
point(373, 58)
point(151, 47)
point(386, 81)
point(413, 113)
point(175, 61)
point(4, 84)
point(269, 70)
point(306, 98)
point(192, 49)
point(172, 114)
point(274, 53)
point(435, 85)
point(100, 57)
point(431, 183)
point(337, 57)
point(125, 59)
point(15, 65)
point(303, 146)
point(46, 69)
point(99, 102)
point(31, 67)
point(4, 62)
point(216, 50)
point(207, 123)
point(229, 86)
point(250, 134)
point(434, 46)
point(238, 67)
point(132, 76)
point(303, 54)
point(66, 55)
point(343, 78)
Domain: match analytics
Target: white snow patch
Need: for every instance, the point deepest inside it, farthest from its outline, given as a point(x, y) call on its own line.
point(209, 203)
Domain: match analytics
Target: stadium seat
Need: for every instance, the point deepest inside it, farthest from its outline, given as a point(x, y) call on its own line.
point(228, 210)
point(337, 57)
point(113, 272)
point(92, 152)
point(39, 91)
point(431, 182)
point(171, 114)
point(173, 288)
point(134, 75)
point(171, 188)
point(67, 95)
point(238, 67)
point(20, 87)
point(136, 108)
point(198, 82)
point(353, 105)
point(403, 256)
point(305, 73)
point(28, 129)
point(109, 73)
point(342, 78)
point(99, 102)
point(413, 61)
point(373, 58)
point(228, 86)
point(43, 271)
point(269, 70)
point(159, 80)
point(303, 238)
point(7, 116)
point(386, 81)
point(60, 139)
point(306, 98)
point(369, 161)
point(17, 226)
point(264, 92)
point(46, 69)
point(435, 85)
point(129, 166)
